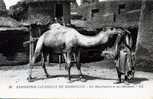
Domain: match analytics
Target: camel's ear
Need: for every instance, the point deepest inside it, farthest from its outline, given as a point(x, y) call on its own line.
point(111, 28)
point(99, 29)
point(104, 29)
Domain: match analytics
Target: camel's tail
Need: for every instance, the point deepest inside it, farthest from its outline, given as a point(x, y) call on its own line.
point(38, 48)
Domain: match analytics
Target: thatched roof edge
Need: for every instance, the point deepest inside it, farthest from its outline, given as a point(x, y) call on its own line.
point(13, 29)
point(9, 22)
point(32, 1)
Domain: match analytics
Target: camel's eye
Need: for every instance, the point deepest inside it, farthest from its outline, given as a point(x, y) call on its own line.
point(104, 29)
point(111, 28)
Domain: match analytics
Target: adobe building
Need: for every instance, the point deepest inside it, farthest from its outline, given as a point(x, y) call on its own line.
point(123, 13)
point(12, 35)
point(3, 11)
point(45, 10)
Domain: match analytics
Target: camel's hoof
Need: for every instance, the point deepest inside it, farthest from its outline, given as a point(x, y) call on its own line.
point(82, 79)
point(117, 82)
point(29, 79)
point(69, 81)
point(126, 83)
point(47, 75)
point(131, 77)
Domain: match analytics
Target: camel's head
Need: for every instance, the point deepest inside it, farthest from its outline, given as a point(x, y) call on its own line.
point(110, 31)
point(55, 26)
point(113, 30)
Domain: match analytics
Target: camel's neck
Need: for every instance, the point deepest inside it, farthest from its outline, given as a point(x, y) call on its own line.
point(88, 41)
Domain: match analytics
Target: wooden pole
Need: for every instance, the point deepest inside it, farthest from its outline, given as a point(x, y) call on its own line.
point(31, 47)
point(60, 60)
point(48, 59)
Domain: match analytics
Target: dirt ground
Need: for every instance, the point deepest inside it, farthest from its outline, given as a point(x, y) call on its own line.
point(95, 72)
point(100, 75)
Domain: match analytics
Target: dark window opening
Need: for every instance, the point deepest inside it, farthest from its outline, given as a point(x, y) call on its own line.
point(59, 10)
point(121, 8)
point(94, 1)
point(94, 11)
point(114, 17)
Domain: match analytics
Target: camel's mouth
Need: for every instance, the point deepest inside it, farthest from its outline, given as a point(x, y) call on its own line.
point(108, 54)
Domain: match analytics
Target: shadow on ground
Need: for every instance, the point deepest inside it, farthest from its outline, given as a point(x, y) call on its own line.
point(138, 80)
point(75, 78)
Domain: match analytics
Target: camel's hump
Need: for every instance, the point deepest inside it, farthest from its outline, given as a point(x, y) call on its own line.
point(54, 26)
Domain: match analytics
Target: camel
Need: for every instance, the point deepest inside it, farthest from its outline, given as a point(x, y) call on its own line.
point(68, 41)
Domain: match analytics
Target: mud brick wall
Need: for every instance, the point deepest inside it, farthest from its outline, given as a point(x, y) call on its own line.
point(12, 51)
point(108, 13)
point(145, 36)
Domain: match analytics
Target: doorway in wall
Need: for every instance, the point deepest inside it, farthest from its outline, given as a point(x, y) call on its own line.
point(59, 10)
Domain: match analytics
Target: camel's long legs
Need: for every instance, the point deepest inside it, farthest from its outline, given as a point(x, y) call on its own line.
point(119, 76)
point(78, 64)
point(65, 59)
point(69, 64)
point(30, 72)
point(43, 65)
point(64, 54)
point(36, 54)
